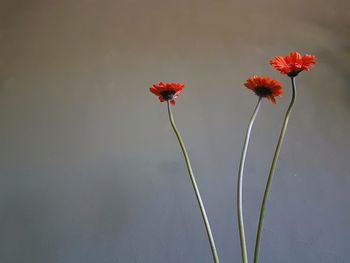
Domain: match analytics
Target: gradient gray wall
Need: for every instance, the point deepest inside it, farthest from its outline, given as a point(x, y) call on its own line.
point(90, 170)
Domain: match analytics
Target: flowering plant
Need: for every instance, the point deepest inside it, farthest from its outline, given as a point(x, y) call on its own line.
point(169, 92)
point(290, 65)
point(264, 87)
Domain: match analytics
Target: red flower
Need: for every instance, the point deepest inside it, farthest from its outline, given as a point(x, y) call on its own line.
point(265, 87)
point(293, 63)
point(167, 91)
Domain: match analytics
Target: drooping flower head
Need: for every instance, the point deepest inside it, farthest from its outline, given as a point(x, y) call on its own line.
point(265, 87)
point(167, 91)
point(293, 64)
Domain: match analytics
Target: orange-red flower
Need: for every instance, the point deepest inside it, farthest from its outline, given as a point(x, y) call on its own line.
point(293, 64)
point(167, 91)
point(265, 87)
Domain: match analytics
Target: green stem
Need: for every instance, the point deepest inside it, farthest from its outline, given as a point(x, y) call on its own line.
point(195, 187)
point(240, 185)
point(271, 173)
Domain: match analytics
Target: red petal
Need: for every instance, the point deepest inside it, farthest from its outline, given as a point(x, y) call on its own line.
point(154, 90)
point(272, 99)
point(293, 57)
point(308, 61)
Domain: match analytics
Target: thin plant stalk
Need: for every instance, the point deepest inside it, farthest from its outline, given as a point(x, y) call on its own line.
point(240, 185)
point(271, 173)
point(195, 187)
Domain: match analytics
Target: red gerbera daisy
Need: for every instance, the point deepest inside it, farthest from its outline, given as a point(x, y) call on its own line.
point(265, 87)
point(293, 63)
point(167, 91)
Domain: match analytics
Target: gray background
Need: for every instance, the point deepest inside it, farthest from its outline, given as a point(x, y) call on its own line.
point(90, 170)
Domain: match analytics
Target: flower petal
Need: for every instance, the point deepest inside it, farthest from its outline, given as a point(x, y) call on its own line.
point(264, 87)
point(167, 91)
point(293, 63)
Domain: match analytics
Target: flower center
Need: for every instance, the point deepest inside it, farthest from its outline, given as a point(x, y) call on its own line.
point(168, 94)
point(263, 91)
point(294, 73)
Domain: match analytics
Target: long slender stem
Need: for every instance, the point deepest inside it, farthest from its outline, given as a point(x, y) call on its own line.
point(240, 185)
point(271, 173)
point(195, 187)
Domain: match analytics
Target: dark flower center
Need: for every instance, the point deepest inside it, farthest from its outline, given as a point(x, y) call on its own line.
point(168, 94)
point(263, 91)
point(293, 73)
